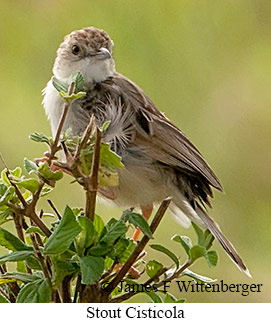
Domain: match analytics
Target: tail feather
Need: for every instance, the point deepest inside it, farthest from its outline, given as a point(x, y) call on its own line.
point(225, 243)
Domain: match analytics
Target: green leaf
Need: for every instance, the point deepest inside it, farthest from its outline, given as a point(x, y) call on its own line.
point(29, 184)
point(48, 215)
point(98, 224)
point(121, 250)
point(4, 177)
point(209, 238)
point(184, 241)
point(197, 277)
point(38, 291)
point(152, 268)
point(86, 237)
point(169, 253)
point(72, 97)
point(33, 263)
point(114, 232)
point(108, 178)
point(9, 194)
point(40, 137)
point(46, 190)
point(79, 81)
point(30, 166)
point(138, 221)
point(11, 242)
point(45, 170)
point(63, 269)
point(197, 252)
point(110, 159)
point(3, 299)
point(35, 230)
point(77, 211)
point(4, 281)
point(101, 249)
point(212, 258)
point(27, 196)
point(17, 172)
point(61, 85)
point(16, 256)
point(199, 233)
point(21, 267)
point(119, 247)
point(154, 296)
point(3, 189)
point(23, 277)
point(91, 268)
point(108, 262)
point(181, 300)
point(170, 298)
point(122, 258)
point(64, 234)
point(86, 161)
point(106, 125)
point(5, 216)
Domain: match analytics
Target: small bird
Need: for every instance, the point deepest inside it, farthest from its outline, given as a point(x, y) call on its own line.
point(159, 160)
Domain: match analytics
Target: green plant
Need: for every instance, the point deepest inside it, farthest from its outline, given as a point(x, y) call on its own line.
point(80, 258)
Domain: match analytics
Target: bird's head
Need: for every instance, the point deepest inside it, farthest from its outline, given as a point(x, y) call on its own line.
point(88, 51)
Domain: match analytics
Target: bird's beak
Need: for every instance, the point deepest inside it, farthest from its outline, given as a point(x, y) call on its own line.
point(102, 53)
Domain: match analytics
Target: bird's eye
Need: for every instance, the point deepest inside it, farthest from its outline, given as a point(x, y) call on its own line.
point(76, 50)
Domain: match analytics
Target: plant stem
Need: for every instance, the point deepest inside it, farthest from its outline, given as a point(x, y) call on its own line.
point(18, 226)
point(84, 139)
point(123, 271)
point(55, 209)
point(54, 146)
point(92, 180)
point(40, 256)
point(65, 289)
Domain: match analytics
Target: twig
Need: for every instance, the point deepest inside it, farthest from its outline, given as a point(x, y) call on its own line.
point(92, 180)
point(54, 208)
point(84, 139)
point(65, 289)
point(4, 267)
point(155, 222)
point(77, 288)
point(40, 256)
point(29, 209)
point(18, 226)
point(41, 213)
point(108, 272)
point(17, 191)
point(187, 264)
point(54, 146)
point(39, 223)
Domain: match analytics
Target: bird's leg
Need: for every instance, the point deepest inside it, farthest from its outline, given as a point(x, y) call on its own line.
point(146, 213)
point(54, 168)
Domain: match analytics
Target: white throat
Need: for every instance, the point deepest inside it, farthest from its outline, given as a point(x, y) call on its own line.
point(93, 71)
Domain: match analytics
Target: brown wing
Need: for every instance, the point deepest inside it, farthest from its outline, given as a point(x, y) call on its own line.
point(163, 141)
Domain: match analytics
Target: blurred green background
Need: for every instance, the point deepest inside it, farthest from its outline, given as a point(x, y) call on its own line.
point(206, 64)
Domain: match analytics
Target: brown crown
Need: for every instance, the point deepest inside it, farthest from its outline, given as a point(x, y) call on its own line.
point(92, 37)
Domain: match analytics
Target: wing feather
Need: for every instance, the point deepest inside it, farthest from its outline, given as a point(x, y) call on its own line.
point(164, 142)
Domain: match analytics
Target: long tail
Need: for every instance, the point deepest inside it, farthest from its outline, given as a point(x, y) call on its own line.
point(183, 212)
point(225, 243)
